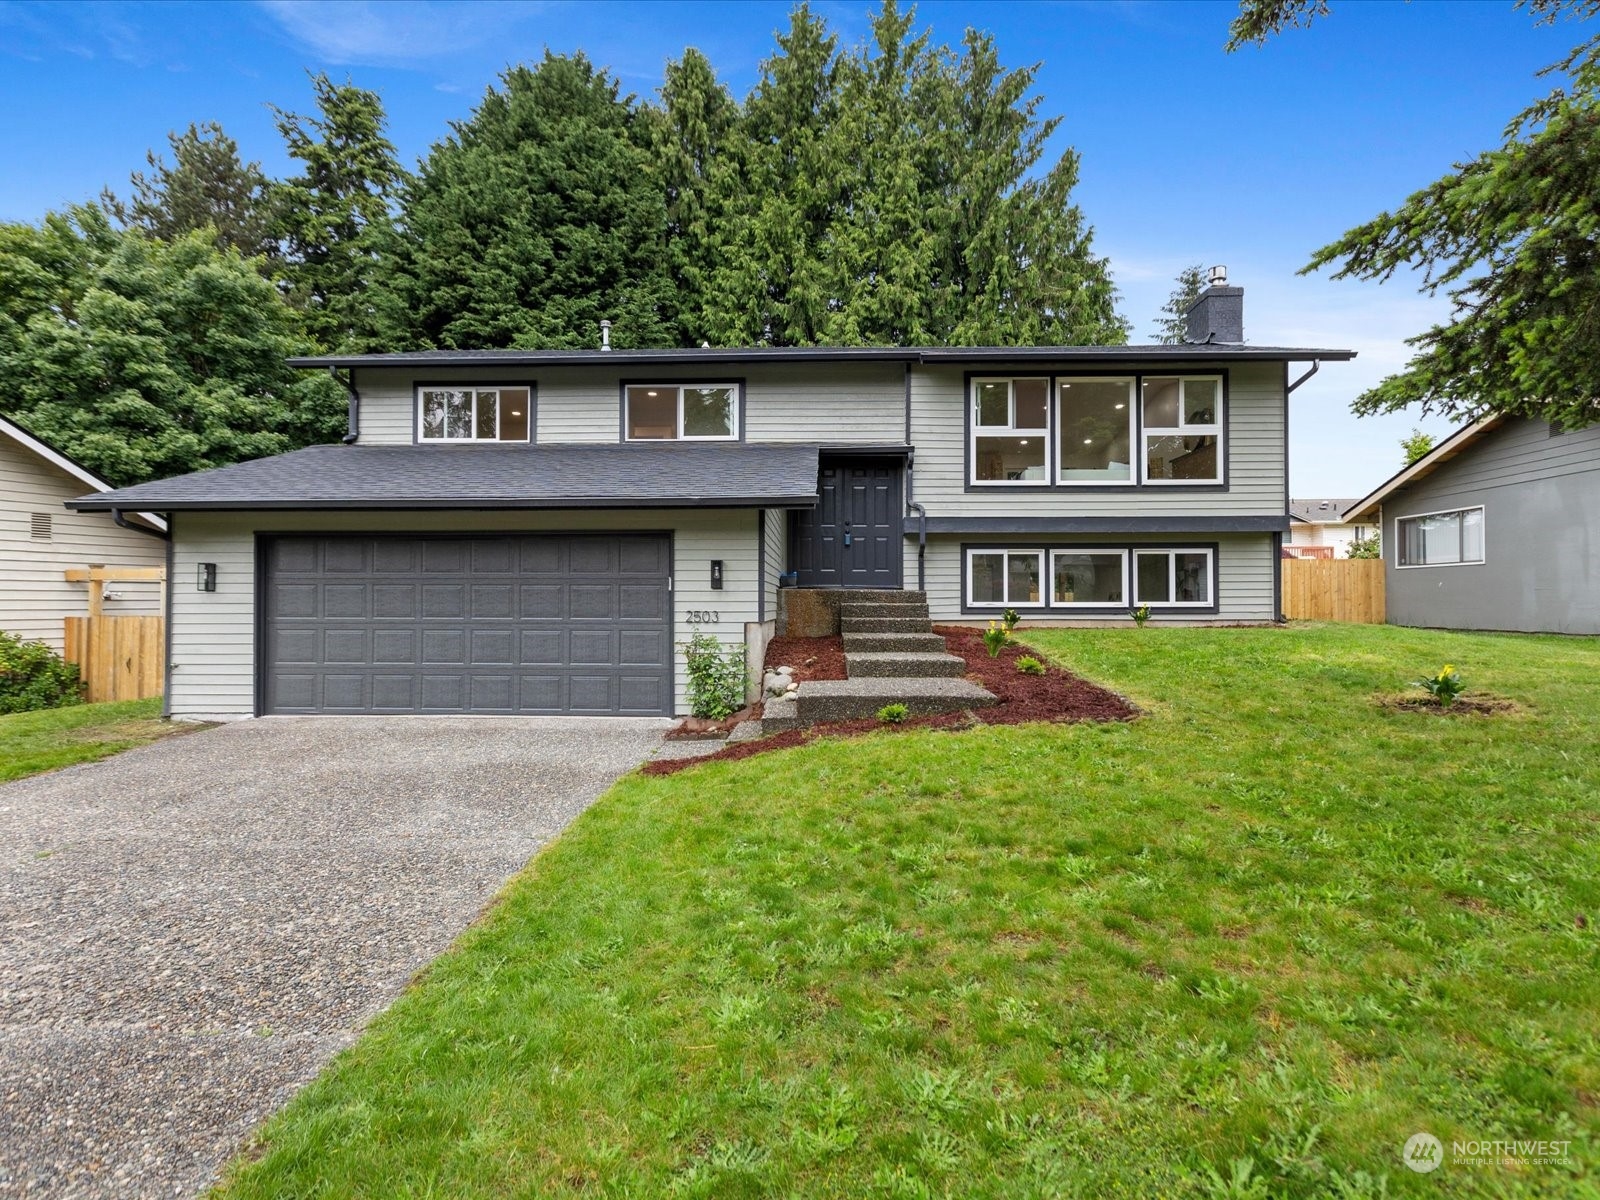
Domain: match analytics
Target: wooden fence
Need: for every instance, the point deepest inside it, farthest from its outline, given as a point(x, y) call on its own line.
point(120, 658)
point(1333, 589)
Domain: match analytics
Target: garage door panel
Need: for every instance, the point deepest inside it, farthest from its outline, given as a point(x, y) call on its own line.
point(517, 624)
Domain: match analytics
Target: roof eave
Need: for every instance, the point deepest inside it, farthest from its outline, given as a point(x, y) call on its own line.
point(1366, 508)
point(425, 504)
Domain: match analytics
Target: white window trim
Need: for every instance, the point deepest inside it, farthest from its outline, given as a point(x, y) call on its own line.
point(1471, 562)
point(1005, 575)
point(1008, 430)
point(1135, 446)
point(1171, 552)
point(474, 388)
point(1182, 429)
point(679, 436)
point(1081, 551)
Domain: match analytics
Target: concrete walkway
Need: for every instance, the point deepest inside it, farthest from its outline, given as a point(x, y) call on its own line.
point(190, 930)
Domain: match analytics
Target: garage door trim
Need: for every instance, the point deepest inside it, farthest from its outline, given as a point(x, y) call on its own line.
point(263, 544)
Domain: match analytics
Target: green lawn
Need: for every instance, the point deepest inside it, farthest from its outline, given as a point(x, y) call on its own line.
point(1246, 946)
point(58, 737)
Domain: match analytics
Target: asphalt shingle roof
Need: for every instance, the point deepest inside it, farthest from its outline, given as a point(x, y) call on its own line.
point(669, 475)
point(1313, 512)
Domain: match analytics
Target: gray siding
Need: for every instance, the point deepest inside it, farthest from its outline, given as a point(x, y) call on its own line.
point(34, 596)
point(1256, 463)
point(1541, 516)
point(213, 633)
point(824, 402)
point(1245, 574)
point(775, 526)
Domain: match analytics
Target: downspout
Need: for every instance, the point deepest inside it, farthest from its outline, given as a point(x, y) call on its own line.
point(922, 544)
point(118, 519)
point(354, 418)
point(1316, 365)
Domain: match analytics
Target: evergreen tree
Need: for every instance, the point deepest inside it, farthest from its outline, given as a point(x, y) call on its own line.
point(207, 187)
point(332, 216)
point(540, 216)
point(1416, 445)
point(143, 358)
point(1171, 327)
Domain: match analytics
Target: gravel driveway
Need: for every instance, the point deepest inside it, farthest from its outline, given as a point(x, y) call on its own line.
point(189, 931)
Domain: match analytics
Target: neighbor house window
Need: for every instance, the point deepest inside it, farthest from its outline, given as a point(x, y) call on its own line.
point(1172, 577)
point(682, 412)
point(473, 414)
point(1010, 430)
point(1182, 429)
point(1095, 431)
point(1442, 539)
point(1097, 578)
point(1003, 578)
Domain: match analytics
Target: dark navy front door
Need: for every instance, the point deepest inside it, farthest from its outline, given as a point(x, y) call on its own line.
point(852, 538)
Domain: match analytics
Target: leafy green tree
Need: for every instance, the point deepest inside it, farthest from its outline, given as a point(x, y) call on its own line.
point(207, 187)
point(332, 216)
point(1171, 327)
point(144, 358)
point(1509, 237)
point(1370, 546)
point(1415, 445)
point(537, 218)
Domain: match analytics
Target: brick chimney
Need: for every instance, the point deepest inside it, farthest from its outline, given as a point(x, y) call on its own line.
point(1217, 314)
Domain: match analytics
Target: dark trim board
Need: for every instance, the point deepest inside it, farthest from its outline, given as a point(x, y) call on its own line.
point(166, 632)
point(1105, 525)
point(1067, 614)
point(416, 407)
point(1053, 485)
point(424, 505)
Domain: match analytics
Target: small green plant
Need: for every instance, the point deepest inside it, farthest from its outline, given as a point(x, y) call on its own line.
point(33, 676)
point(1029, 665)
point(716, 677)
point(1009, 619)
point(1365, 547)
point(1443, 687)
point(893, 714)
point(995, 637)
point(1140, 615)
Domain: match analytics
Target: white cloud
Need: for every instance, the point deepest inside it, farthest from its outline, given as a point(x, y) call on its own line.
point(396, 33)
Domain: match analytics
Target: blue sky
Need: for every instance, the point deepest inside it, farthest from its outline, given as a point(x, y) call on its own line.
point(1189, 154)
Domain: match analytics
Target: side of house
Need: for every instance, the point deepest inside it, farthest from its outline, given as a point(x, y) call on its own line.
point(1497, 528)
point(40, 540)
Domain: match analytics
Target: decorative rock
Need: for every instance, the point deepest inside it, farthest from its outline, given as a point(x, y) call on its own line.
point(775, 684)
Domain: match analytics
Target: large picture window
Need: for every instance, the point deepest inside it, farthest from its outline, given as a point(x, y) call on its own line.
point(1172, 577)
point(1441, 539)
point(682, 412)
point(1010, 430)
point(473, 414)
point(1094, 578)
point(1090, 578)
point(1182, 429)
point(1096, 435)
point(1002, 578)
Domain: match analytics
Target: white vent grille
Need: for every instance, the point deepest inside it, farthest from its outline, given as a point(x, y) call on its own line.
point(40, 529)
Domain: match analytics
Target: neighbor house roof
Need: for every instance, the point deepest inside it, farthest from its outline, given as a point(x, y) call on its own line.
point(1190, 351)
point(626, 475)
point(1367, 507)
point(1319, 512)
point(57, 459)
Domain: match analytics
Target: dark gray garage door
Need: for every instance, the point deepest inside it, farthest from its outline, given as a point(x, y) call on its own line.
point(520, 624)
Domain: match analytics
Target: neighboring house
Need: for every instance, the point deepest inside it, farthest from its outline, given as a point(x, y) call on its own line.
point(40, 540)
point(525, 531)
point(1497, 527)
point(1317, 529)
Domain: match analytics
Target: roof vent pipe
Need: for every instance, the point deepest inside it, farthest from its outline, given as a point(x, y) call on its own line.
point(1217, 277)
point(605, 336)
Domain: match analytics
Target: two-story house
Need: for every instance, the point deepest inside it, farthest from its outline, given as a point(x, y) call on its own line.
point(516, 531)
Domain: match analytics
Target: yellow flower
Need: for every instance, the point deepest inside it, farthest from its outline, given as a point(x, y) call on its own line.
point(1448, 670)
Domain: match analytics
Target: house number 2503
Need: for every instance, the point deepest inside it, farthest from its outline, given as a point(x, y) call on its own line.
point(704, 616)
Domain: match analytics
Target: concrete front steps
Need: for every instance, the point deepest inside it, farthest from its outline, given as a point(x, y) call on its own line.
point(892, 656)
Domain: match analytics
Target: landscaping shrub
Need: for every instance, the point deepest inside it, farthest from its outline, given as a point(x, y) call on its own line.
point(716, 677)
point(33, 676)
point(1029, 665)
point(995, 638)
point(1443, 687)
point(893, 714)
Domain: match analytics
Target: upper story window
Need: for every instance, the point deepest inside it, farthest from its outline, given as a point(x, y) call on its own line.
point(1183, 430)
point(687, 412)
point(1010, 430)
point(473, 414)
point(1441, 539)
point(1097, 431)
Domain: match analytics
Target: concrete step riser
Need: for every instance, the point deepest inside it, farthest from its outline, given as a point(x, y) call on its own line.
point(849, 708)
point(894, 643)
point(851, 625)
point(910, 666)
point(873, 612)
point(869, 596)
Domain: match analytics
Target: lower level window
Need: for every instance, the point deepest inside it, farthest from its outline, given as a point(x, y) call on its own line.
point(1004, 577)
point(1172, 577)
point(1091, 577)
point(1441, 539)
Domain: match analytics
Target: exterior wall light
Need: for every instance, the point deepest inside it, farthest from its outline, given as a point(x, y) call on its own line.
point(205, 578)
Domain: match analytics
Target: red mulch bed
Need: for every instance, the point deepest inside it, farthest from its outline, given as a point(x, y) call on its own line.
point(1057, 696)
point(811, 658)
